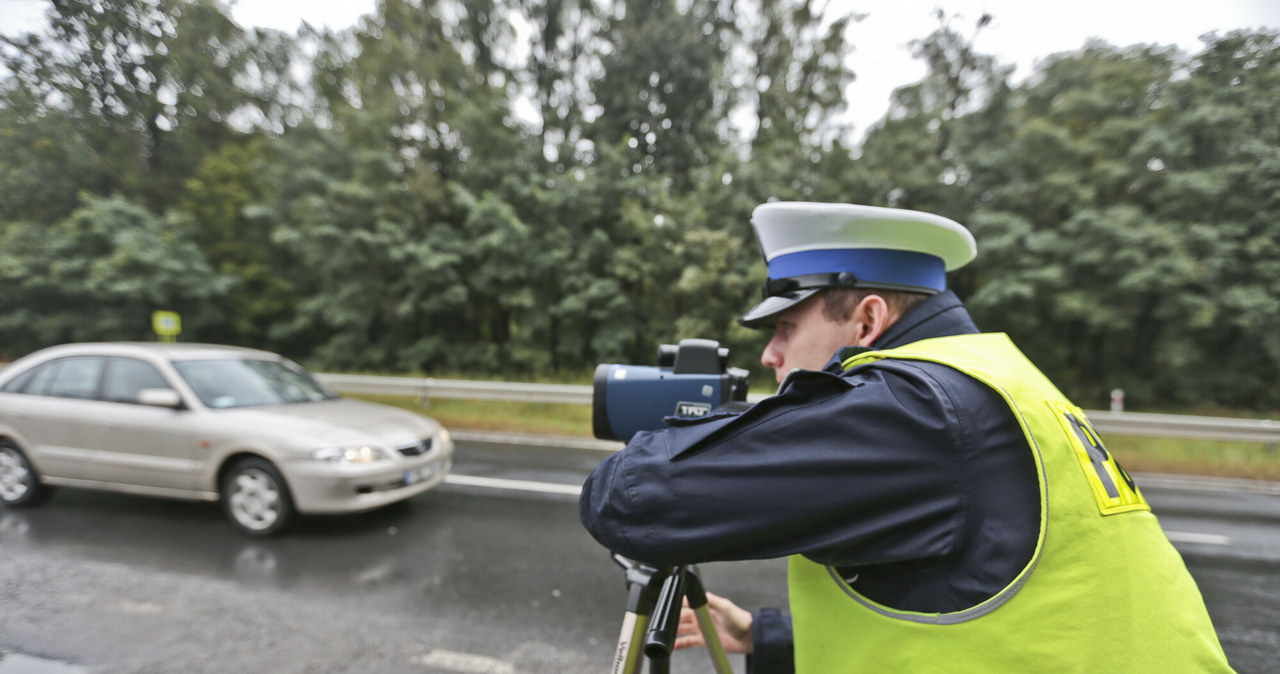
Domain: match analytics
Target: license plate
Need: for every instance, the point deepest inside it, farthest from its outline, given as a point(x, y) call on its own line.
point(412, 475)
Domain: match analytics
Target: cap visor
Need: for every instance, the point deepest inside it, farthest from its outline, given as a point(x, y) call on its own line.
point(761, 314)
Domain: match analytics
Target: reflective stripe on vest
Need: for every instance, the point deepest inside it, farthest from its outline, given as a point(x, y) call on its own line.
point(1104, 590)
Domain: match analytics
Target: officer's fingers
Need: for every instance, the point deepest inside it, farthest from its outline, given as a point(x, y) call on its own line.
point(688, 622)
point(693, 640)
point(733, 619)
point(688, 633)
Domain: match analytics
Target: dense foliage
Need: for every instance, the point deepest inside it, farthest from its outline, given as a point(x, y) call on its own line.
point(524, 188)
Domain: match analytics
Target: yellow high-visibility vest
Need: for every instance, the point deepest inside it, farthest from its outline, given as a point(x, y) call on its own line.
point(1104, 591)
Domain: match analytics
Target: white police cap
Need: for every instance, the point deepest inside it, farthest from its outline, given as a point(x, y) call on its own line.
point(810, 246)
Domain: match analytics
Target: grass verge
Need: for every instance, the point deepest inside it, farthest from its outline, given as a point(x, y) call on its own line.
point(507, 417)
point(1248, 460)
point(1137, 454)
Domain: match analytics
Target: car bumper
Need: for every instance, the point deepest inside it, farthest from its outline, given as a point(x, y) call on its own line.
point(319, 488)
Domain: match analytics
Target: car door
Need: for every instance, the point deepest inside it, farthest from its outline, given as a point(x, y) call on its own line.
point(50, 410)
point(137, 444)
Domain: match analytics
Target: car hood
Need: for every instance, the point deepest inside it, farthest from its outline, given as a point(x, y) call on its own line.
point(333, 422)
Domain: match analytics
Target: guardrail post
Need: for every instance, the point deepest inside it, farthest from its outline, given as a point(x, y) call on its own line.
point(424, 395)
point(1117, 400)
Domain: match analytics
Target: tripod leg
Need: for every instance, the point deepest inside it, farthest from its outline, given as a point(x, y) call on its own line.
point(626, 660)
point(644, 584)
point(719, 659)
point(697, 596)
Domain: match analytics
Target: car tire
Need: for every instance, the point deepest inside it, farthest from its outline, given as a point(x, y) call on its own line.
point(19, 482)
point(256, 498)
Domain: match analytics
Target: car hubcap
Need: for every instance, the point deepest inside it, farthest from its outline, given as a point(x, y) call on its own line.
point(255, 499)
point(13, 475)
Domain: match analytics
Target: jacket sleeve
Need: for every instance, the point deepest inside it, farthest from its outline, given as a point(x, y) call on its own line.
point(860, 466)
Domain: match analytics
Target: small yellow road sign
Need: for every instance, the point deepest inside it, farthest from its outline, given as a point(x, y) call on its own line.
point(167, 324)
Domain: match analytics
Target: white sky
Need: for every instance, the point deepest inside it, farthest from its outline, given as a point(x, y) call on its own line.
point(1023, 32)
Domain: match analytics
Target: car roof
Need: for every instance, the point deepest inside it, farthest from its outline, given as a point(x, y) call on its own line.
point(169, 350)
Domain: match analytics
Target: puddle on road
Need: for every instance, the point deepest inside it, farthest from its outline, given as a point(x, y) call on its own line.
point(17, 663)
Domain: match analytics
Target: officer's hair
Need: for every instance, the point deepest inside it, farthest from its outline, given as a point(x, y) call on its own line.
point(838, 303)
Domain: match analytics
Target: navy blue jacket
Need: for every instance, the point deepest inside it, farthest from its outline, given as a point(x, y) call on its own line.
point(911, 477)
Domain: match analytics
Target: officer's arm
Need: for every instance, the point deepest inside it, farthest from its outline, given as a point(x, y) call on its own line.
point(827, 461)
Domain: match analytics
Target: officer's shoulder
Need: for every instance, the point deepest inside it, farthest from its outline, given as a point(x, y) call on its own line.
point(912, 371)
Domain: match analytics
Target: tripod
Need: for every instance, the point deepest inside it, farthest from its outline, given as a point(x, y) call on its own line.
point(654, 598)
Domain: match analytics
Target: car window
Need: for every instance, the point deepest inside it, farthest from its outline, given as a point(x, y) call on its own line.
point(75, 377)
point(246, 383)
point(127, 376)
point(41, 377)
point(19, 383)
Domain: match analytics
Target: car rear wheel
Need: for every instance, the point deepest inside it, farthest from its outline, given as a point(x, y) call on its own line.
point(256, 498)
point(19, 483)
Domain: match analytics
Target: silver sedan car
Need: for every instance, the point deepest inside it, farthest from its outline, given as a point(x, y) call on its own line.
point(245, 427)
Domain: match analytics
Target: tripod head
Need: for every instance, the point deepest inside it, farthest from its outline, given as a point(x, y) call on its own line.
point(655, 597)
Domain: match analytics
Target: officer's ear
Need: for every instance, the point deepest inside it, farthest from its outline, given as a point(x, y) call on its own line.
point(869, 320)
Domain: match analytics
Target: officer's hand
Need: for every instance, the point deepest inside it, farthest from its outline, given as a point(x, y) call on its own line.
point(732, 623)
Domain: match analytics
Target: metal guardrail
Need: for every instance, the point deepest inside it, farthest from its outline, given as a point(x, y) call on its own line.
point(1186, 426)
point(427, 387)
point(1179, 426)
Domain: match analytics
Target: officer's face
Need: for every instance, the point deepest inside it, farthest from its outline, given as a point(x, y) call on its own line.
point(804, 337)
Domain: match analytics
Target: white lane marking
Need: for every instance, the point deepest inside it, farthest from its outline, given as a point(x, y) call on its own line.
point(1191, 537)
point(514, 485)
point(144, 607)
point(463, 662)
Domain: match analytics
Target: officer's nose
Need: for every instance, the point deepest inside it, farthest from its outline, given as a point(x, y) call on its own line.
point(772, 357)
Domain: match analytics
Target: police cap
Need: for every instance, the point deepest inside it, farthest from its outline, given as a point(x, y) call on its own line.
point(810, 246)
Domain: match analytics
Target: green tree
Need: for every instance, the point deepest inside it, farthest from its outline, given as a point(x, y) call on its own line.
point(46, 163)
point(917, 157)
point(564, 53)
point(99, 274)
point(221, 196)
point(798, 75)
point(1063, 243)
point(398, 81)
point(407, 187)
point(326, 202)
point(1214, 170)
point(143, 87)
point(661, 91)
point(1124, 209)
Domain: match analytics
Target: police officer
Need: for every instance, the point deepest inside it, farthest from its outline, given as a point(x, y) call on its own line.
point(942, 505)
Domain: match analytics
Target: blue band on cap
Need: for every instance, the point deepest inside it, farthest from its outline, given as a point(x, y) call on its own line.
point(868, 265)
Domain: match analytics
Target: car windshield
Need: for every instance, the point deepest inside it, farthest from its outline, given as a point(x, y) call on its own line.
point(223, 384)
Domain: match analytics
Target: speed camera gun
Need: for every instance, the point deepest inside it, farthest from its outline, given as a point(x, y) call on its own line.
point(690, 381)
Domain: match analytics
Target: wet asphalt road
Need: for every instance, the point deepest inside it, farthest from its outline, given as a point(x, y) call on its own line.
point(462, 579)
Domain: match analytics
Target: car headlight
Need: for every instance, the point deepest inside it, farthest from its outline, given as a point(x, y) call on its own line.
point(443, 436)
point(361, 454)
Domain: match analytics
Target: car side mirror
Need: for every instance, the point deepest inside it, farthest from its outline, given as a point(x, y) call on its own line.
point(160, 397)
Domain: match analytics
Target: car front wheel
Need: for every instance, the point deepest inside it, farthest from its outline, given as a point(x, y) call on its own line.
point(19, 483)
point(256, 498)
